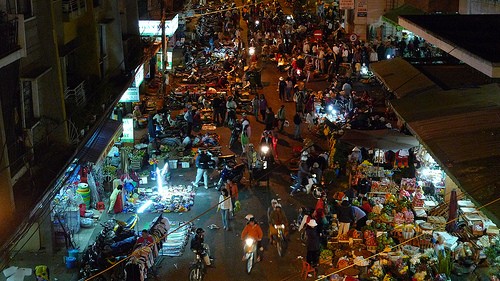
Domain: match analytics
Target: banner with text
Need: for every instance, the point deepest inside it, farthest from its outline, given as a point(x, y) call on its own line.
point(346, 4)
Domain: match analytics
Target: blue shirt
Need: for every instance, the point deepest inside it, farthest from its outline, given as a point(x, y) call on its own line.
point(358, 213)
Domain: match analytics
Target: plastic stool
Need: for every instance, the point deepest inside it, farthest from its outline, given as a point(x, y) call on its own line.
point(100, 206)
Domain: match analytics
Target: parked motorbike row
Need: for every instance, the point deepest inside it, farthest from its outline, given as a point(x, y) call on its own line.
point(116, 242)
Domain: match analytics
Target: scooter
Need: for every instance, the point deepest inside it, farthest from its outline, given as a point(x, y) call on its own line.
point(250, 248)
point(281, 241)
point(311, 187)
point(198, 268)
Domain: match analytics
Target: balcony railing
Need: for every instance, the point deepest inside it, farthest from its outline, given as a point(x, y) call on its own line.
point(9, 34)
point(76, 95)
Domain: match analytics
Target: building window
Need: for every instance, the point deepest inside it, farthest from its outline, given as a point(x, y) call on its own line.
point(24, 7)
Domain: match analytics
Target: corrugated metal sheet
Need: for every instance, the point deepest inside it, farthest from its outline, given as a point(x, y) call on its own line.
point(461, 129)
point(402, 78)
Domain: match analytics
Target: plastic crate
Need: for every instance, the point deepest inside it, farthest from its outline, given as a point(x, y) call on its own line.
point(172, 164)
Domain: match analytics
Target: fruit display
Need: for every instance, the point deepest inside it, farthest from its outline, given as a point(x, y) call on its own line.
point(383, 241)
point(369, 238)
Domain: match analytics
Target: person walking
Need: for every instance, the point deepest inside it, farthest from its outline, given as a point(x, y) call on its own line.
point(312, 243)
point(202, 166)
point(297, 120)
point(288, 89)
point(263, 106)
point(217, 110)
point(225, 206)
point(255, 107)
point(281, 88)
point(281, 117)
point(246, 132)
point(269, 119)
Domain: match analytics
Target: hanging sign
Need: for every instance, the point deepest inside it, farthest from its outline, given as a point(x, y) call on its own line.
point(346, 4)
point(128, 130)
point(362, 9)
point(153, 27)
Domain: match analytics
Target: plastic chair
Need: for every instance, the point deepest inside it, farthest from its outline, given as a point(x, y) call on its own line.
point(307, 269)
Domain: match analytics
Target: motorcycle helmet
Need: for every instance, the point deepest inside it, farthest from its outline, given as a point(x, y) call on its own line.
point(249, 217)
point(199, 230)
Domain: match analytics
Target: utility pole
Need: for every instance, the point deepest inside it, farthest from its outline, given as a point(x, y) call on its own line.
point(164, 59)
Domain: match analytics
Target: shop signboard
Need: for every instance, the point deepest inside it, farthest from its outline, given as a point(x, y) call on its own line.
point(153, 27)
point(139, 76)
point(130, 95)
point(362, 9)
point(169, 60)
point(128, 130)
point(346, 4)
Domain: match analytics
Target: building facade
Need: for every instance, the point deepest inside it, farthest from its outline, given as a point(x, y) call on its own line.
point(63, 64)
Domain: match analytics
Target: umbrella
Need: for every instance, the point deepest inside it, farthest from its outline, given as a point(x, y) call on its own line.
point(385, 139)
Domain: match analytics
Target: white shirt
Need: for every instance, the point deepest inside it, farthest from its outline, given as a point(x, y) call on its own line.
point(225, 205)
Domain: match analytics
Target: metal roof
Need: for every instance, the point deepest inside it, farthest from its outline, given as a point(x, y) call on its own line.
point(96, 146)
point(461, 129)
point(401, 78)
point(474, 39)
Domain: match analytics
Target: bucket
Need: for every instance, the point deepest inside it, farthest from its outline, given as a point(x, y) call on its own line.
point(84, 191)
point(73, 253)
point(70, 262)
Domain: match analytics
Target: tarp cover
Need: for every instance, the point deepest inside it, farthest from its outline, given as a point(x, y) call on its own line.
point(382, 139)
point(401, 78)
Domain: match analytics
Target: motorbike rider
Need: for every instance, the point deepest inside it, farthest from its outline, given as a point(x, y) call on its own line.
point(302, 173)
point(253, 230)
point(198, 246)
point(277, 217)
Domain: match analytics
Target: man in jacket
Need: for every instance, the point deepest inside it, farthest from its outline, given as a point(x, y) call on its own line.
point(202, 165)
point(345, 215)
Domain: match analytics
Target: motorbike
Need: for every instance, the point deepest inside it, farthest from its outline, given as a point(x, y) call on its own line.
point(232, 172)
point(311, 187)
point(281, 239)
point(115, 241)
point(250, 249)
point(302, 212)
point(235, 133)
point(231, 118)
point(198, 269)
